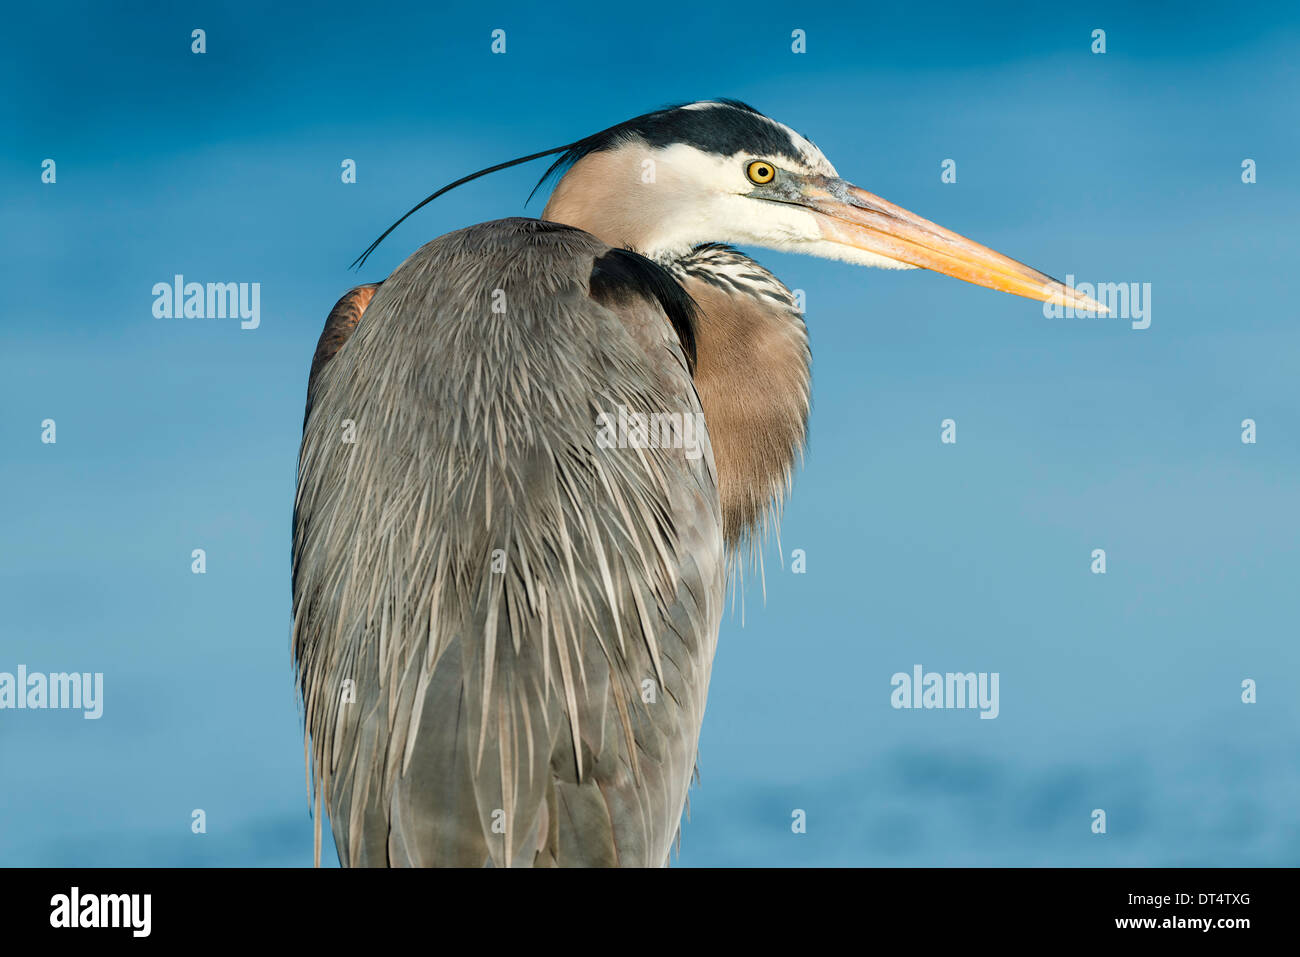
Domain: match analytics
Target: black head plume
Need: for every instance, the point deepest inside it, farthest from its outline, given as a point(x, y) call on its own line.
point(730, 127)
point(361, 260)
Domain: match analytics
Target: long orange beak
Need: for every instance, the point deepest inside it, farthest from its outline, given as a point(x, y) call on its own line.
point(853, 217)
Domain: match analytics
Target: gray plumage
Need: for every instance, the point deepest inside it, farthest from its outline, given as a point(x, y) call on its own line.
point(514, 698)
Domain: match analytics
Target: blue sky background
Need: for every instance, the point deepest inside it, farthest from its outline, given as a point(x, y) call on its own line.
point(1119, 692)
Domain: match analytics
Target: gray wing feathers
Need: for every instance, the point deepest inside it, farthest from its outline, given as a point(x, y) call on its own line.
point(528, 619)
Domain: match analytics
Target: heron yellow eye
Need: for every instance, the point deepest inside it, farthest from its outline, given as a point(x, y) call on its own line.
point(760, 172)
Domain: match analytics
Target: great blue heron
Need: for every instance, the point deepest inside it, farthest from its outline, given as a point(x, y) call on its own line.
point(504, 622)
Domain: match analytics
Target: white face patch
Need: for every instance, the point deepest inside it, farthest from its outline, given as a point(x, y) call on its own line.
point(700, 197)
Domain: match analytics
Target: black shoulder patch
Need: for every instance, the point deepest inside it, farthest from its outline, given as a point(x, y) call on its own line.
point(622, 272)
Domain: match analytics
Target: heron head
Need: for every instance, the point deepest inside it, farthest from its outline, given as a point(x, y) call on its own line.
point(719, 171)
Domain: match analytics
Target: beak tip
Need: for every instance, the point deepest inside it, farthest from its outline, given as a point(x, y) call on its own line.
point(1064, 295)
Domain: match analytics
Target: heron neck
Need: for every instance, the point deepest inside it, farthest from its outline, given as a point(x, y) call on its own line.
point(595, 196)
point(753, 374)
